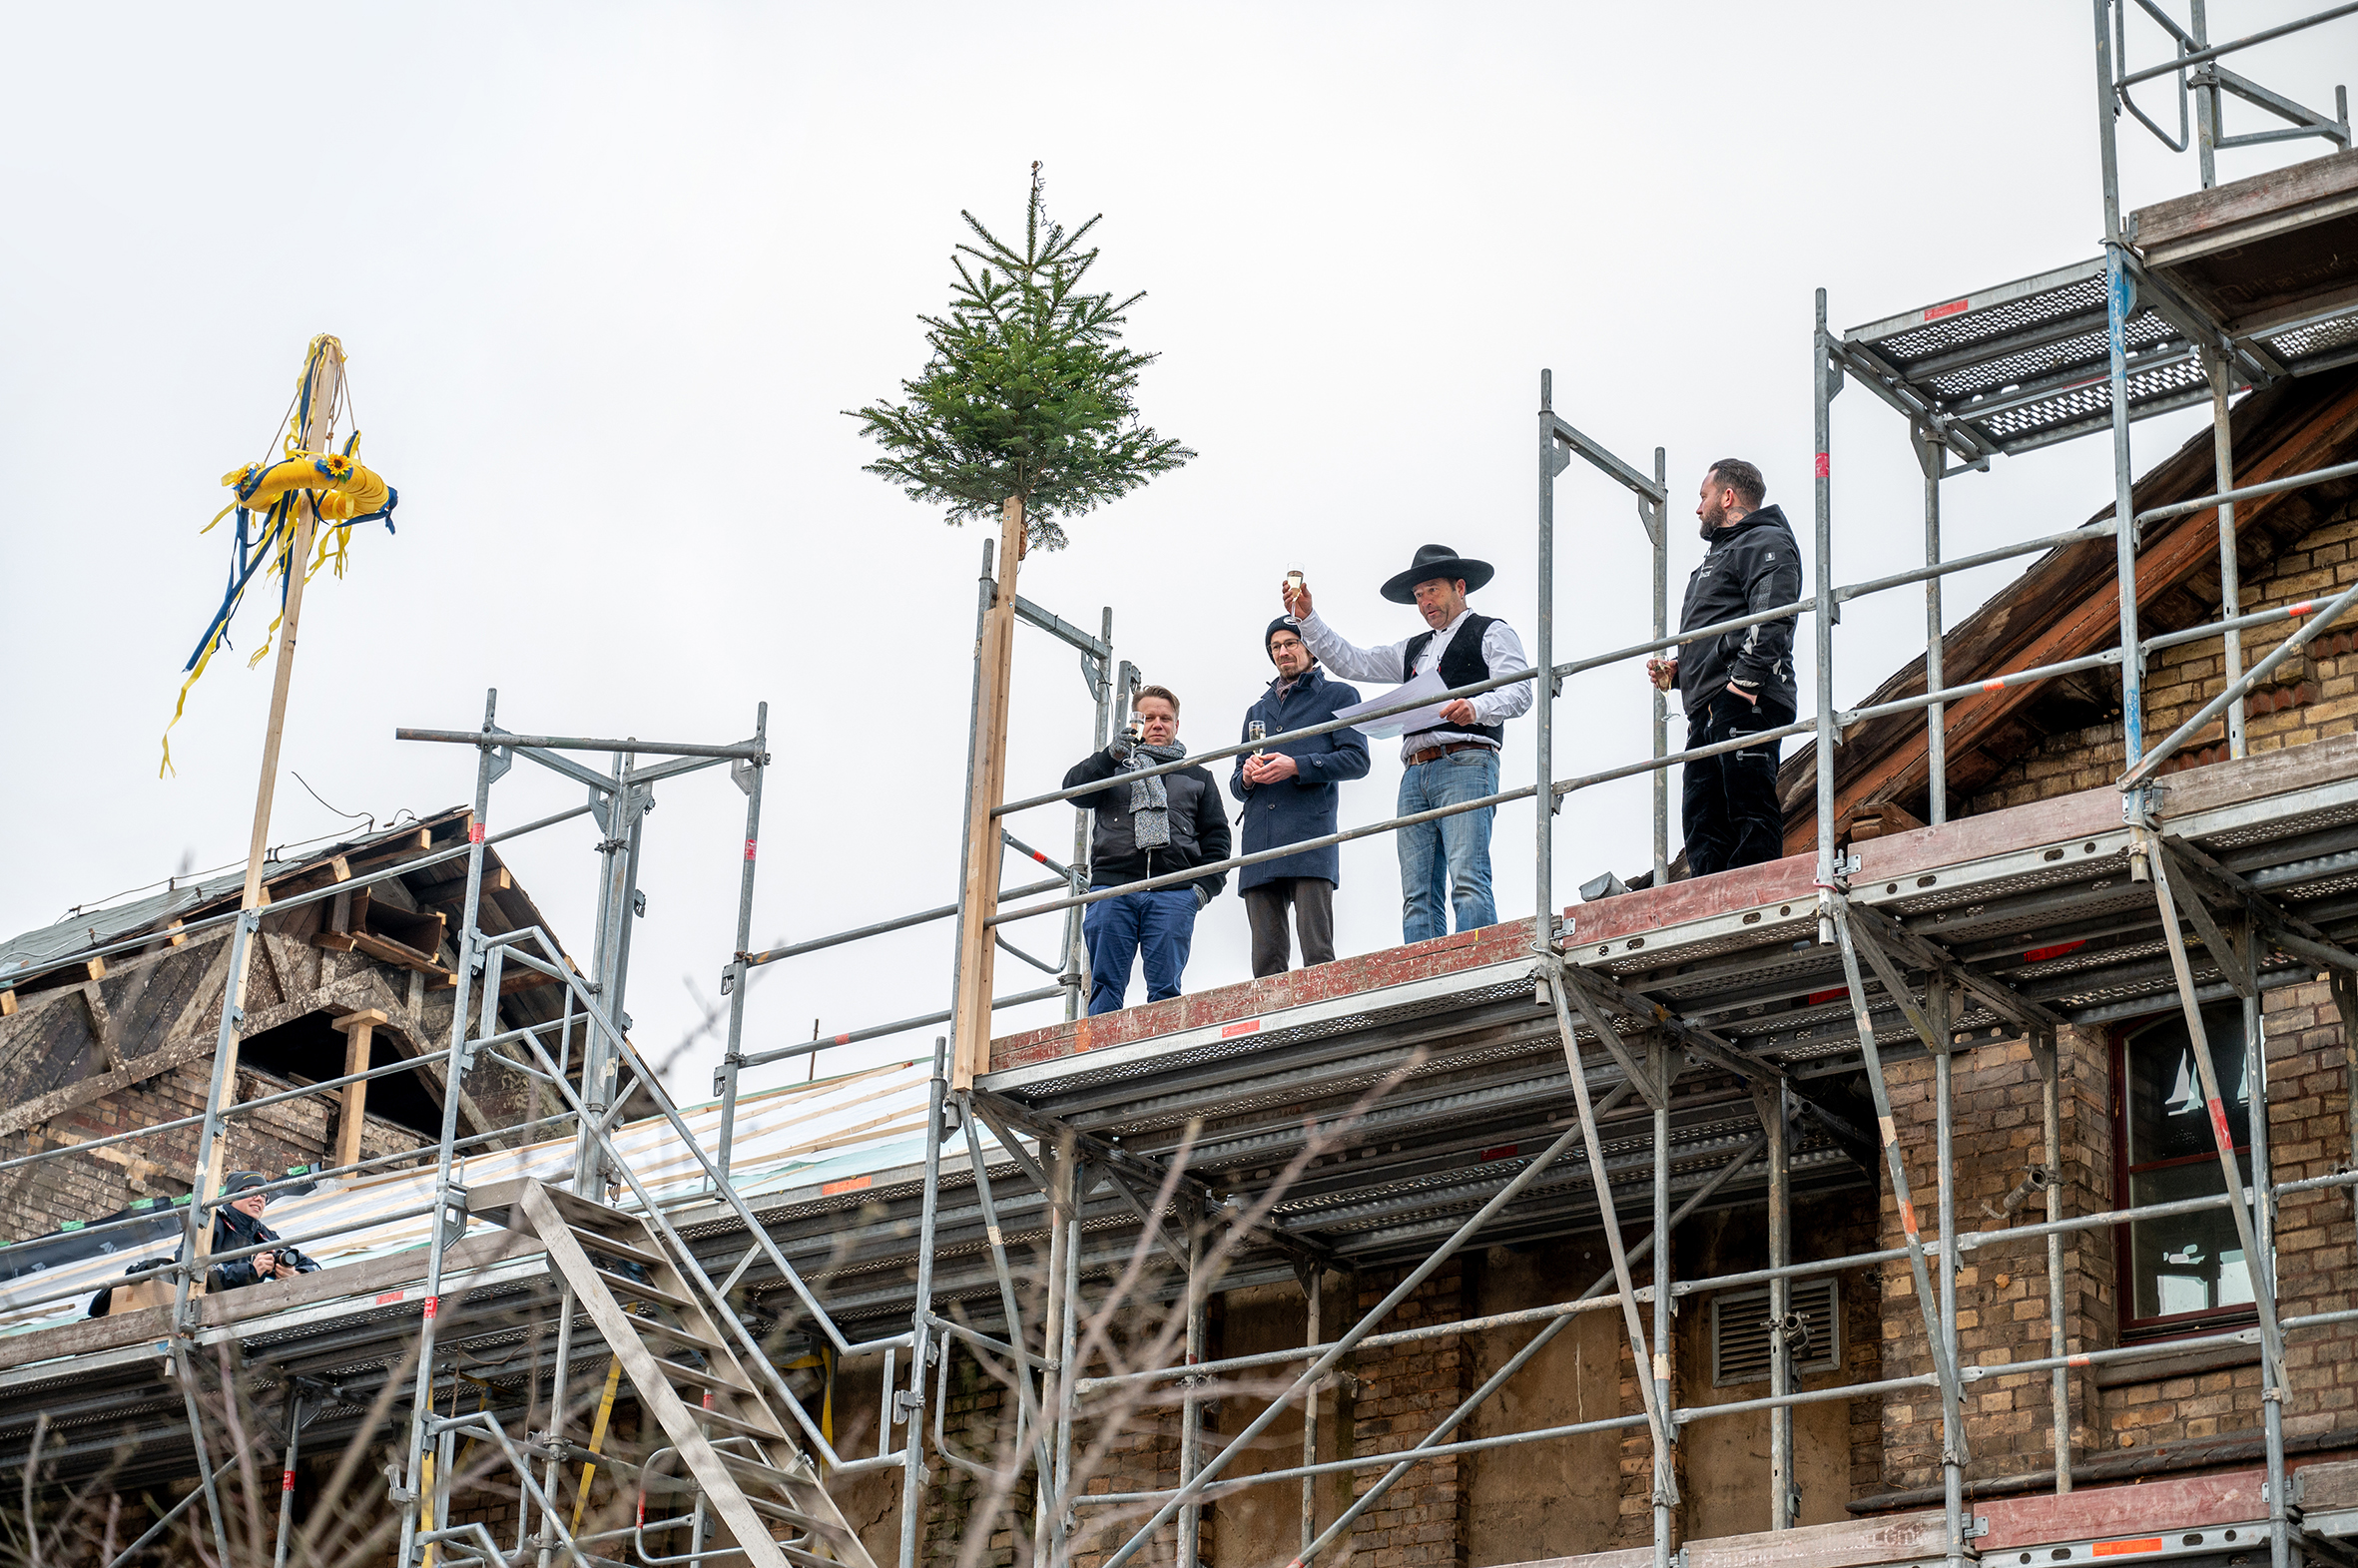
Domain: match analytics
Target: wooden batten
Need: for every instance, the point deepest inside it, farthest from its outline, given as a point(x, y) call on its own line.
point(398, 936)
point(1882, 819)
point(8, 1003)
point(359, 1029)
point(340, 869)
point(96, 968)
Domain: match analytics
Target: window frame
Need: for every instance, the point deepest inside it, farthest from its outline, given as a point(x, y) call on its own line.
point(2169, 1326)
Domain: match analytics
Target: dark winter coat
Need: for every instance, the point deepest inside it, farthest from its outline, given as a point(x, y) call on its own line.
point(1305, 805)
point(1751, 566)
point(1199, 826)
point(232, 1230)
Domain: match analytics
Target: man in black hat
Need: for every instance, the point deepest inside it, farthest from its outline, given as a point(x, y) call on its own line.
point(1445, 866)
point(1290, 793)
point(240, 1225)
point(1738, 683)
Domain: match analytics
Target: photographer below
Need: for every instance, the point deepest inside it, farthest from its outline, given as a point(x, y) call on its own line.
point(1147, 827)
point(240, 1225)
point(1289, 793)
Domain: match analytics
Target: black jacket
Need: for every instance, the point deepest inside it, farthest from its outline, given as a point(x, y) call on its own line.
point(231, 1229)
point(1199, 827)
point(1754, 565)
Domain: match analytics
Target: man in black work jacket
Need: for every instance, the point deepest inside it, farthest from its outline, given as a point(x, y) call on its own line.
point(1146, 828)
point(1738, 683)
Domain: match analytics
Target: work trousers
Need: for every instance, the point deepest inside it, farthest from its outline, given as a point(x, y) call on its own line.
point(1445, 866)
point(1728, 802)
point(1157, 927)
point(1313, 901)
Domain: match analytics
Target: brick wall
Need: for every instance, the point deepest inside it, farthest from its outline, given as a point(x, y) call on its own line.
point(2311, 695)
point(2002, 1292)
point(980, 1420)
point(1404, 1393)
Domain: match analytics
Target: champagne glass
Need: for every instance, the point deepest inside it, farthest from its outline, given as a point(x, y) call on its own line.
point(1294, 579)
point(1256, 732)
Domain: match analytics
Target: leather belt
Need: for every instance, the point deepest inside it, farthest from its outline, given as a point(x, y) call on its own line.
point(1435, 754)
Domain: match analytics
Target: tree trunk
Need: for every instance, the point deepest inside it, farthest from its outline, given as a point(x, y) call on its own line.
point(979, 899)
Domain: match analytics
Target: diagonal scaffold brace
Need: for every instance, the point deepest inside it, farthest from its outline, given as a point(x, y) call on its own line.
point(1652, 1371)
point(1887, 1132)
point(2172, 904)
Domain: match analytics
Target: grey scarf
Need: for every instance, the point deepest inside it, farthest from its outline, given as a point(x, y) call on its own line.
point(1150, 802)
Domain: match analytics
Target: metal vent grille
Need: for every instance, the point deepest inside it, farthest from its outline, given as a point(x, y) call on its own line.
point(1740, 1332)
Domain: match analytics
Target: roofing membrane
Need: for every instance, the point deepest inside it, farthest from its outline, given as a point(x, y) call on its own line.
point(834, 1129)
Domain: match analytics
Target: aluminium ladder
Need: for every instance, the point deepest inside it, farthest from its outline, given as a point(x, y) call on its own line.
point(610, 1257)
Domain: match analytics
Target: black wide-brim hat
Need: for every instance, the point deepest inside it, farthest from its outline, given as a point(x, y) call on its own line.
point(1437, 560)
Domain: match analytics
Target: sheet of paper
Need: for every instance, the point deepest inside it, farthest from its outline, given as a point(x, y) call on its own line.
point(1427, 685)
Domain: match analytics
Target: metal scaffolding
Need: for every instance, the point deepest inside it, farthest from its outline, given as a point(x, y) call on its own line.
point(1610, 1075)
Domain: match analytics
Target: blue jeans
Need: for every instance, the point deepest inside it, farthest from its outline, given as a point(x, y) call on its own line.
point(1158, 927)
point(1445, 865)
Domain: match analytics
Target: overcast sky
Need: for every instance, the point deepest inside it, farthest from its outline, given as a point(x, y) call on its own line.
point(607, 276)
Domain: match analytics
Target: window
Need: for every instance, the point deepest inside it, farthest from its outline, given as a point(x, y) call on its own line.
point(1740, 1331)
point(2187, 1270)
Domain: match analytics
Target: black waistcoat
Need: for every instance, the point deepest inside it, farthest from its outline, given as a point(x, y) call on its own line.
point(1463, 663)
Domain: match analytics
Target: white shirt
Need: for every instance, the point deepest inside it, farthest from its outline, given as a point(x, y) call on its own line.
point(1501, 648)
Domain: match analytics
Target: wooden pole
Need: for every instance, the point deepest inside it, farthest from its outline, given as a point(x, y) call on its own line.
point(314, 434)
point(360, 1031)
point(979, 899)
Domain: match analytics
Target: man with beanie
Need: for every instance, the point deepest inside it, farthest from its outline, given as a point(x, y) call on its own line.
point(238, 1225)
point(1289, 793)
point(1737, 683)
point(1445, 866)
point(1146, 828)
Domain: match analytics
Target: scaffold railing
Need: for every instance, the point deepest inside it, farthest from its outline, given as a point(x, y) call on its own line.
point(2075, 351)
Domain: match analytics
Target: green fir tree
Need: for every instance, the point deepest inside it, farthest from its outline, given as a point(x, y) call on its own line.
point(1029, 393)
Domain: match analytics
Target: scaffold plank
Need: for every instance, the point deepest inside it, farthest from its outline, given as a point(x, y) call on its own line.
point(2158, 1506)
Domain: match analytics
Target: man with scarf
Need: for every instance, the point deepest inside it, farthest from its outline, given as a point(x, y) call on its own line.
point(240, 1225)
point(1291, 793)
point(1146, 828)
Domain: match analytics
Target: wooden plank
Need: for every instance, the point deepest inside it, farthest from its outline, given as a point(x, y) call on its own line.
point(2259, 776)
point(401, 954)
point(2057, 820)
point(8, 1003)
point(359, 1029)
point(1846, 1543)
point(2095, 1512)
point(1627, 1557)
point(2163, 229)
point(980, 899)
point(2330, 1485)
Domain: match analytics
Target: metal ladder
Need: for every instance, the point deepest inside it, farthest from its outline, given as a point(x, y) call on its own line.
point(601, 1253)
